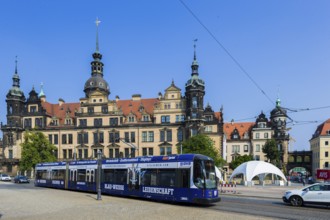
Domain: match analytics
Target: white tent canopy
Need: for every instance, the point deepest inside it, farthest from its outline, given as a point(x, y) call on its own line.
point(251, 169)
point(218, 173)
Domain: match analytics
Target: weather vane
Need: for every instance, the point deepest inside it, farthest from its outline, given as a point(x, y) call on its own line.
point(97, 22)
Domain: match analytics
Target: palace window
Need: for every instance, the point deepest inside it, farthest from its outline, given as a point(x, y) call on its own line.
point(82, 138)
point(113, 121)
point(98, 137)
point(104, 108)
point(166, 135)
point(147, 151)
point(38, 122)
point(82, 122)
point(97, 122)
point(165, 119)
point(55, 138)
point(27, 123)
point(179, 118)
point(165, 150)
point(180, 135)
point(114, 137)
point(147, 136)
point(64, 139)
point(194, 102)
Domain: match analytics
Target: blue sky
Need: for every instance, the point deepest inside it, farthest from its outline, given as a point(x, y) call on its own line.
point(284, 46)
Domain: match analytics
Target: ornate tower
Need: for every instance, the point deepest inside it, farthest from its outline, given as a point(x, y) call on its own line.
point(15, 102)
point(278, 118)
point(12, 131)
point(96, 83)
point(195, 91)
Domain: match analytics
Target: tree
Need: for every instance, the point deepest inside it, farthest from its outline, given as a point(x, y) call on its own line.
point(35, 149)
point(271, 151)
point(239, 160)
point(202, 144)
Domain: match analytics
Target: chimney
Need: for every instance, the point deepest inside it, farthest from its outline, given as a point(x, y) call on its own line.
point(61, 102)
point(136, 97)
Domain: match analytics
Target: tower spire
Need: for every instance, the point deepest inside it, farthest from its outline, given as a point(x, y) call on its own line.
point(16, 65)
point(195, 48)
point(97, 22)
point(194, 65)
point(16, 79)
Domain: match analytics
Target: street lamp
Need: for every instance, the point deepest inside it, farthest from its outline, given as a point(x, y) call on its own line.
point(99, 164)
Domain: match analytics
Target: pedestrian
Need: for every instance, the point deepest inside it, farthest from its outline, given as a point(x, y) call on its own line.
point(303, 181)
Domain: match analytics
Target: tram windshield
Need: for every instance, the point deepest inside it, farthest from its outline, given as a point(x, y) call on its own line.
point(204, 174)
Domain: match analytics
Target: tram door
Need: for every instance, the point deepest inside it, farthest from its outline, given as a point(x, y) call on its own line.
point(134, 178)
point(90, 179)
point(73, 179)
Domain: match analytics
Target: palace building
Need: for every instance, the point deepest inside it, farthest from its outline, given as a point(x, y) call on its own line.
point(117, 128)
point(134, 127)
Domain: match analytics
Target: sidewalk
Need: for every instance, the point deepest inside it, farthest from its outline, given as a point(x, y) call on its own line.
point(267, 191)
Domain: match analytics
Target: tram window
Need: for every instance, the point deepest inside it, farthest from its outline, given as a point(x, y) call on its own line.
point(183, 178)
point(210, 178)
point(166, 177)
point(81, 176)
point(198, 174)
point(149, 177)
point(108, 175)
point(41, 174)
point(58, 174)
point(145, 180)
point(120, 176)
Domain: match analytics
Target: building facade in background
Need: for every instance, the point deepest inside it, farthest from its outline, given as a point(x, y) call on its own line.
point(248, 138)
point(320, 146)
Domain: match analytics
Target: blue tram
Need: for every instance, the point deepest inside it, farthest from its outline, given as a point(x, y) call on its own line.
point(189, 178)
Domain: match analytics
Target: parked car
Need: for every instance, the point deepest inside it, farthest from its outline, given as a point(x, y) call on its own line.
point(5, 177)
point(318, 193)
point(21, 179)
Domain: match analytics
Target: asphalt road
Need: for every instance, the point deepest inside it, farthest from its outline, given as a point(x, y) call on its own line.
point(271, 208)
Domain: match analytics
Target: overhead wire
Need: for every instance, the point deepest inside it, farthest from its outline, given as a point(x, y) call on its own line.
point(247, 74)
point(226, 51)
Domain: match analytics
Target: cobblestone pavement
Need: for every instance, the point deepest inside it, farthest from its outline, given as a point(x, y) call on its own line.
point(43, 203)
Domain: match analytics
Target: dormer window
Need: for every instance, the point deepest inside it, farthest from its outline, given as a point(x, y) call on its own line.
point(235, 134)
point(33, 109)
point(261, 125)
point(131, 119)
point(328, 132)
point(208, 118)
point(145, 118)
